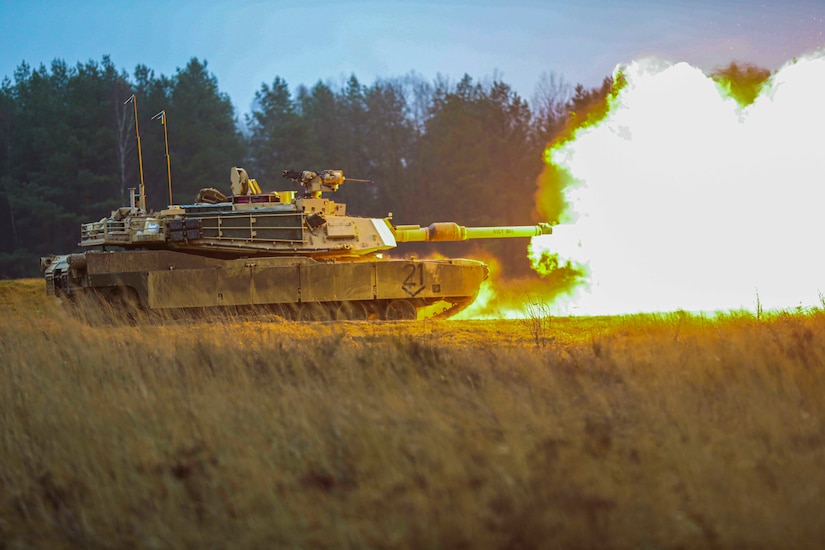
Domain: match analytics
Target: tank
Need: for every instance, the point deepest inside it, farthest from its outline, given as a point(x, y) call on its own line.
point(293, 253)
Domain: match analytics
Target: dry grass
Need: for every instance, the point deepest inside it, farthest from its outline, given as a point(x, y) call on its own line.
point(635, 432)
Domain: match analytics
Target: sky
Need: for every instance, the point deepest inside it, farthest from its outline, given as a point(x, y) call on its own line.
point(248, 43)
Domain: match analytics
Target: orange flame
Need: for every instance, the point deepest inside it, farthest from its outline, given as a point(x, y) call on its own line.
point(513, 298)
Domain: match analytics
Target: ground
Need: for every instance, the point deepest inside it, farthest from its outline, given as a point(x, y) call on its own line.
point(656, 431)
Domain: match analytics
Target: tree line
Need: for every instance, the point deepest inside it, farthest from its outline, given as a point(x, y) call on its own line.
point(467, 151)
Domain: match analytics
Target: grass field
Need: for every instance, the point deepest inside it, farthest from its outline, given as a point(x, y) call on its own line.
point(638, 432)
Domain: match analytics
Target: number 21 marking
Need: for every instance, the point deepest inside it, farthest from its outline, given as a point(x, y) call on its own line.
point(409, 285)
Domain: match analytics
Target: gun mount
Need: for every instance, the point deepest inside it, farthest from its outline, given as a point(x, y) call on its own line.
point(314, 183)
point(301, 256)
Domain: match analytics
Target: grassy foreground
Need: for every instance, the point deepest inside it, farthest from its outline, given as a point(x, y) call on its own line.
point(633, 432)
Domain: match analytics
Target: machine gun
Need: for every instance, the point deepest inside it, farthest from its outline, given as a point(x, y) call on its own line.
point(314, 183)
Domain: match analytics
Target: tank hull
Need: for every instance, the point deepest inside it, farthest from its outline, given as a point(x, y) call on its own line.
point(295, 287)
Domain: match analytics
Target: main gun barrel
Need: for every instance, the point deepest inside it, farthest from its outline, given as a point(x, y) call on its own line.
point(449, 231)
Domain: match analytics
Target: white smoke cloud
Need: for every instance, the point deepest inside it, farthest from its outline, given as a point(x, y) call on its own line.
point(685, 200)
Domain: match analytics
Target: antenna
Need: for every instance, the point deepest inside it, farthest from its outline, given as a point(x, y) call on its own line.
point(133, 99)
point(162, 116)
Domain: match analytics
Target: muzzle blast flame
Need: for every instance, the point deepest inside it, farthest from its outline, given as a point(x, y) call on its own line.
point(681, 198)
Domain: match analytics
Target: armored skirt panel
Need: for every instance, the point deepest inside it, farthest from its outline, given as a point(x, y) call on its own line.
point(165, 280)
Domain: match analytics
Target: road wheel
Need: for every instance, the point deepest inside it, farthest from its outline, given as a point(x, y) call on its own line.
point(109, 306)
point(400, 310)
point(125, 300)
point(288, 312)
point(314, 312)
point(351, 311)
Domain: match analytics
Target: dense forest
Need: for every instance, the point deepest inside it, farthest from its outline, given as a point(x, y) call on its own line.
point(468, 151)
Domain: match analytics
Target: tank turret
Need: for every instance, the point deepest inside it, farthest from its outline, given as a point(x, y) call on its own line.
point(298, 252)
point(276, 223)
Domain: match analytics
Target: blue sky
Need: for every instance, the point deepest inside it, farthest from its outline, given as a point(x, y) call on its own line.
point(247, 43)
